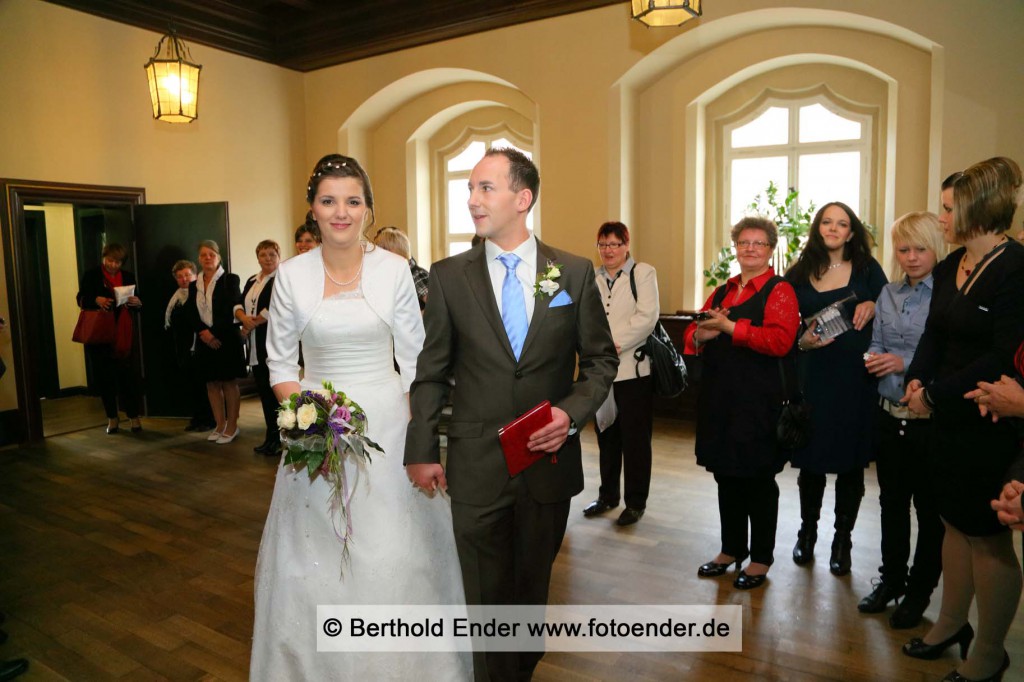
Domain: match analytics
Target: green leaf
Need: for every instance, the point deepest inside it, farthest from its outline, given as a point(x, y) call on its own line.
point(314, 460)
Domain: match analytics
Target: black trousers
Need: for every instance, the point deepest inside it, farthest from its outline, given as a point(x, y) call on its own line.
point(261, 375)
point(626, 444)
point(506, 550)
point(754, 500)
point(115, 378)
point(901, 469)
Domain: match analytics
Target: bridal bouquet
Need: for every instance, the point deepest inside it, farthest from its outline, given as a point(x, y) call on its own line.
point(319, 428)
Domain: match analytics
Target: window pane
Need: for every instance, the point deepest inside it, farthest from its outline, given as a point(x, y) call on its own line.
point(750, 177)
point(771, 127)
point(830, 177)
point(818, 124)
point(468, 158)
point(458, 247)
point(459, 221)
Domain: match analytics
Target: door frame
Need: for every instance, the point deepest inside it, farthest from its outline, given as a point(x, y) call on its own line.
point(14, 194)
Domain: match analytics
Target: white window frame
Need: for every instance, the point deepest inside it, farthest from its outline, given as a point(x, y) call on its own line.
point(488, 136)
point(793, 149)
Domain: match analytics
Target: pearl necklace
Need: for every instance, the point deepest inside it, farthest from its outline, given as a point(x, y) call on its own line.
point(351, 281)
point(833, 266)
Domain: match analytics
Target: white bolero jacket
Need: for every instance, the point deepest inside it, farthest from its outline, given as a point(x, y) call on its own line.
point(387, 287)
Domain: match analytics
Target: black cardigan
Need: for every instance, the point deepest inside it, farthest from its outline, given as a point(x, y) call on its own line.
point(226, 296)
point(262, 303)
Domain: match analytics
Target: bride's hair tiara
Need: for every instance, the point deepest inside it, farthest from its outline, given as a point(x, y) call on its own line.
point(338, 166)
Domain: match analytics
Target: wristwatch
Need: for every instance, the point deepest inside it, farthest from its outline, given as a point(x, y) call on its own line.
point(573, 429)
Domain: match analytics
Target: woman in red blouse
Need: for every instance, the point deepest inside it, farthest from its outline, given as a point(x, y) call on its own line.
point(746, 343)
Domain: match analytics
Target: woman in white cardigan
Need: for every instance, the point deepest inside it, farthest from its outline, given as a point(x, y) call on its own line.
point(624, 423)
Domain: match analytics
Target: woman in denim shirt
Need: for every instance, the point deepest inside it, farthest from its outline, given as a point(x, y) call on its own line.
point(900, 315)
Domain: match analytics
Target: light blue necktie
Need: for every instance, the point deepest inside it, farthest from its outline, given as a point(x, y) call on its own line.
point(513, 304)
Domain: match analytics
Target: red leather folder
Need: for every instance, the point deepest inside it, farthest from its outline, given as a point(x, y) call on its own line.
point(514, 436)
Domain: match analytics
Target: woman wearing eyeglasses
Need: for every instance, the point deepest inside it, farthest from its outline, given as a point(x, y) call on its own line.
point(746, 344)
point(835, 265)
point(625, 421)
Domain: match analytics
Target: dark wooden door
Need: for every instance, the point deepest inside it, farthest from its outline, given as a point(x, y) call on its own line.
point(165, 234)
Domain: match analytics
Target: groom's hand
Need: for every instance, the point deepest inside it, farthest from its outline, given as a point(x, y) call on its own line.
point(430, 477)
point(551, 437)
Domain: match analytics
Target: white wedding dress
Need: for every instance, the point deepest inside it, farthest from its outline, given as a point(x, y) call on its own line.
point(402, 550)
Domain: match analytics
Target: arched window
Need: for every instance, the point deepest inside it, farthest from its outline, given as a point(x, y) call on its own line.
point(813, 144)
point(458, 163)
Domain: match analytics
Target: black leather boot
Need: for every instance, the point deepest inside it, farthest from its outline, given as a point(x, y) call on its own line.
point(839, 563)
point(812, 489)
point(848, 497)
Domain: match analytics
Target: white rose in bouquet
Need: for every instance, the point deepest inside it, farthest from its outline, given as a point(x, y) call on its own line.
point(306, 416)
point(286, 419)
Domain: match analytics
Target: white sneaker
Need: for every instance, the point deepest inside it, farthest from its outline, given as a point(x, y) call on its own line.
point(215, 436)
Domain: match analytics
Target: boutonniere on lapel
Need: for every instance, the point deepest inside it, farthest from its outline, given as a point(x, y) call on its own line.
point(546, 284)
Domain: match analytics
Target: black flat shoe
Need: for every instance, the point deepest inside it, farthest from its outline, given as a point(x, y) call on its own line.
point(137, 429)
point(11, 669)
point(803, 551)
point(909, 612)
point(713, 569)
point(954, 676)
point(916, 648)
point(744, 581)
point(598, 507)
point(629, 516)
point(879, 599)
point(112, 430)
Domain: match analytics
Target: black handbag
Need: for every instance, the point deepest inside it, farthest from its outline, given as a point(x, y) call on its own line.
point(794, 428)
point(668, 371)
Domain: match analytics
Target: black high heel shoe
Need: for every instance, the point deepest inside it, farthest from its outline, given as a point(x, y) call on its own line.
point(954, 676)
point(713, 569)
point(917, 648)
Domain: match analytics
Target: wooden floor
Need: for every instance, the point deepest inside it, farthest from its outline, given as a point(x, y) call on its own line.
point(131, 557)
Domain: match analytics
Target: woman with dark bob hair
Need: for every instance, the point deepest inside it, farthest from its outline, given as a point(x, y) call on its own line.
point(974, 328)
point(746, 345)
point(835, 265)
point(625, 421)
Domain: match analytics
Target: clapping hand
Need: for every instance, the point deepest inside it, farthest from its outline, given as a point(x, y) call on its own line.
point(1008, 506)
point(1004, 398)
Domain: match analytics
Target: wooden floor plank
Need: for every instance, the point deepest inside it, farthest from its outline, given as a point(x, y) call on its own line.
point(131, 557)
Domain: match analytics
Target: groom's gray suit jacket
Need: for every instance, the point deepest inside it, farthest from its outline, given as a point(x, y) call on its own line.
point(465, 339)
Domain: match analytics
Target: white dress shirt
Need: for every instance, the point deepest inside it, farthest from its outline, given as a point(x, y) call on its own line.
point(526, 271)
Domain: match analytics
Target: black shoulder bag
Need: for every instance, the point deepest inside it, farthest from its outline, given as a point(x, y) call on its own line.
point(668, 371)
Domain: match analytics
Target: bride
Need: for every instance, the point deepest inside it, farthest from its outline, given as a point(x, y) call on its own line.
point(354, 308)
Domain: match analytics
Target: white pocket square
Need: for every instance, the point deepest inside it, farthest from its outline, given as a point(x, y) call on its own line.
point(561, 299)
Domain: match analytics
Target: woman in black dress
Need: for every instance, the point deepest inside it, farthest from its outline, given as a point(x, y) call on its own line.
point(746, 347)
point(115, 372)
point(975, 326)
point(212, 298)
point(835, 264)
point(254, 314)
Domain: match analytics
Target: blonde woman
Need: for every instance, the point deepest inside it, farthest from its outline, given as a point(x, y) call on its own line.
point(900, 315)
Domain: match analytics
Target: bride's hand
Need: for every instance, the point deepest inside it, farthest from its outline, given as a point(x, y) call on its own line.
point(429, 477)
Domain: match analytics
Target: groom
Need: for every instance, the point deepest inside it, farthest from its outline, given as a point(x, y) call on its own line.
point(508, 349)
